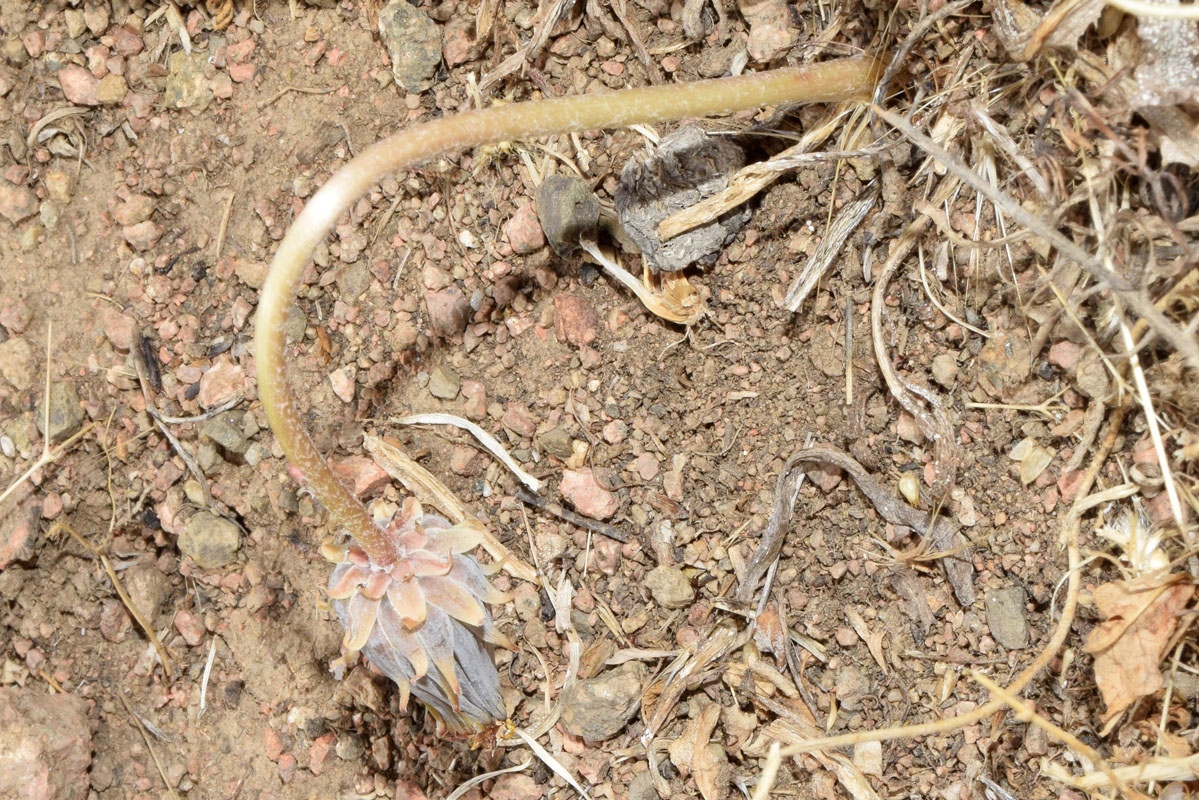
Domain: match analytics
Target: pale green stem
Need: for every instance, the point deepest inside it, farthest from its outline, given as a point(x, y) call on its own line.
point(826, 82)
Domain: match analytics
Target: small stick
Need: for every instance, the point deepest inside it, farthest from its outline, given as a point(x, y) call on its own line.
point(1070, 533)
point(48, 455)
point(1159, 447)
point(301, 89)
point(1025, 713)
point(221, 231)
point(550, 507)
point(848, 351)
point(141, 728)
point(134, 611)
point(204, 678)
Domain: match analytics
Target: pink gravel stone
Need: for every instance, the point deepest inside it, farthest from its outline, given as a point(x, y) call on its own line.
point(79, 85)
point(583, 491)
point(222, 381)
point(524, 230)
point(575, 320)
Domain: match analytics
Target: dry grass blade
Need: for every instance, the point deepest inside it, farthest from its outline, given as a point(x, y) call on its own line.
point(415, 478)
point(486, 439)
point(1157, 769)
point(49, 455)
point(751, 179)
point(1141, 8)
point(486, 776)
point(148, 629)
point(1159, 447)
point(678, 301)
point(847, 221)
point(1070, 533)
point(141, 728)
point(1182, 341)
point(554, 764)
point(770, 771)
point(934, 422)
point(534, 46)
point(659, 698)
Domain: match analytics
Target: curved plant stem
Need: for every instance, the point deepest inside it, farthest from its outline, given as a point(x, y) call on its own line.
point(829, 81)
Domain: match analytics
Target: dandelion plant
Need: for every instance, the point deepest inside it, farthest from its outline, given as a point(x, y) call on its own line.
point(407, 590)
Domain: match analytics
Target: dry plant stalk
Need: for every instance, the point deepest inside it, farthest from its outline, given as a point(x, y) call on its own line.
point(400, 588)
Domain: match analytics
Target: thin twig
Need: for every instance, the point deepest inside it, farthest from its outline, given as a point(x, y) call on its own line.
point(141, 728)
point(207, 415)
point(301, 89)
point(49, 455)
point(1159, 447)
point(163, 655)
point(1027, 714)
point(556, 509)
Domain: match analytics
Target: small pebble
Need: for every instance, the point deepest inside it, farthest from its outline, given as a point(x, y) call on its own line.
point(1007, 618)
point(582, 490)
point(211, 541)
point(444, 383)
point(598, 708)
point(670, 587)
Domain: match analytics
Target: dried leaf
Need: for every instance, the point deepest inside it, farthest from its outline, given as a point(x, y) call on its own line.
point(1024, 32)
point(770, 635)
point(873, 639)
point(706, 763)
point(1129, 645)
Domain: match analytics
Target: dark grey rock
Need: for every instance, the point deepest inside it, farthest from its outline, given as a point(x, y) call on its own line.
point(413, 42)
point(567, 210)
point(225, 431)
point(66, 415)
point(1007, 618)
point(557, 443)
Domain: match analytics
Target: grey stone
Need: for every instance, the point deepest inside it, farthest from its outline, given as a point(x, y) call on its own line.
point(148, 588)
point(187, 85)
point(642, 787)
point(557, 443)
point(295, 325)
point(851, 686)
point(208, 457)
point(354, 280)
point(1007, 618)
point(444, 383)
point(211, 541)
point(413, 42)
point(66, 415)
point(225, 431)
point(598, 708)
point(670, 587)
